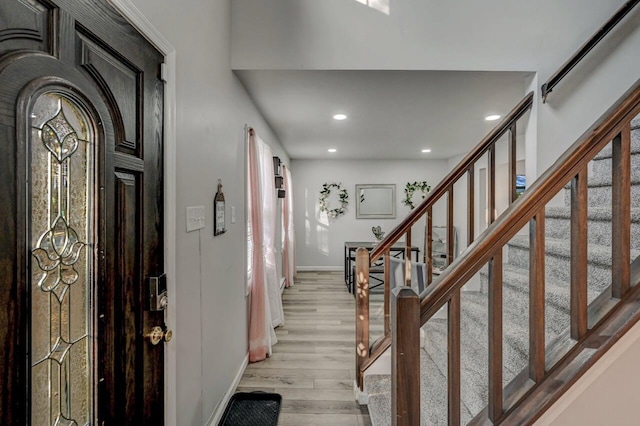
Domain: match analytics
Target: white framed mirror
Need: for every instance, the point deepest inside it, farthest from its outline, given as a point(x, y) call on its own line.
point(376, 201)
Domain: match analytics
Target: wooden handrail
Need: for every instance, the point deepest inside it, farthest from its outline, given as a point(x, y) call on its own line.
point(548, 86)
point(531, 202)
point(613, 127)
point(443, 187)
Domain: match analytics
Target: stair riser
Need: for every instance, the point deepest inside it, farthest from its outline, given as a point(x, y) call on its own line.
point(601, 196)
point(559, 268)
point(635, 144)
point(474, 364)
point(602, 167)
point(599, 232)
point(474, 341)
point(473, 326)
point(516, 307)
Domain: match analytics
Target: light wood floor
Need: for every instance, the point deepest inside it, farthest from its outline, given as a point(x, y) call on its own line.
point(313, 363)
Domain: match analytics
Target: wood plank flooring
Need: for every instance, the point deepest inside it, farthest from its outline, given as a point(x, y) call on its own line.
point(312, 365)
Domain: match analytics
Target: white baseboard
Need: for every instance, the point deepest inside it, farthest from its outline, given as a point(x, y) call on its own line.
point(219, 411)
point(320, 268)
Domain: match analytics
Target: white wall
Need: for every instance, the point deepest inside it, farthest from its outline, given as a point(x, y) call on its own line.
point(212, 109)
point(591, 401)
point(319, 240)
point(591, 88)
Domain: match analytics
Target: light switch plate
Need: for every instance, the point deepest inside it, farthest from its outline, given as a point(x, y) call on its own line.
point(195, 218)
point(233, 214)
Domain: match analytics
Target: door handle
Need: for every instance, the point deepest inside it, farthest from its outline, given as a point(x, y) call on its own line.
point(157, 334)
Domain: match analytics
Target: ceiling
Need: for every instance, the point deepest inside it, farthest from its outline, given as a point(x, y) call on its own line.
point(391, 114)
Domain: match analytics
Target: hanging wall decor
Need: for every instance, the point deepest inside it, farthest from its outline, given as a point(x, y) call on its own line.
point(423, 187)
point(343, 196)
point(218, 211)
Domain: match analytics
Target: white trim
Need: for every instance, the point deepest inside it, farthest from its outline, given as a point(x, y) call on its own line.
point(140, 22)
point(219, 411)
point(319, 268)
point(133, 15)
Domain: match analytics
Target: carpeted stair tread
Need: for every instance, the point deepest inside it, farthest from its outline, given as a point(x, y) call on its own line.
point(474, 313)
point(516, 300)
point(604, 166)
point(473, 362)
point(599, 214)
point(598, 181)
point(474, 340)
point(558, 262)
point(635, 143)
point(600, 193)
point(433, 396)
point(377, 383)
point(599, 225)
point(380, 409)
point(597, 254)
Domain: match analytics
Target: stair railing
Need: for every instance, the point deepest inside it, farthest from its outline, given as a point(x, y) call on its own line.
point(548, 86)
point(593, 328)
point(367, 354)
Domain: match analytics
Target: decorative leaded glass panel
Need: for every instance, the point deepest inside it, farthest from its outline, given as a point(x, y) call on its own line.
point(62, 180)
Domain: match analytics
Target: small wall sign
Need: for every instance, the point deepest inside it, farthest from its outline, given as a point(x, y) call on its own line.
point(218, 211)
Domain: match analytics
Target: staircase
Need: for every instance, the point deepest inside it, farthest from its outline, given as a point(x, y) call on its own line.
point(474, 304)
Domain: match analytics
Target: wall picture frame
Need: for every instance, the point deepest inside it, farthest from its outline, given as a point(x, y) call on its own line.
point(375, 201)
point(219, 211)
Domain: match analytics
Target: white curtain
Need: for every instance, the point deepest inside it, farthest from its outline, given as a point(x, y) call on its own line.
point(261, 334)
point(269, 220)
point(288, 234)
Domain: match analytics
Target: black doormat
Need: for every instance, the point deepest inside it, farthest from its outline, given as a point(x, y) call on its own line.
point(252, 409)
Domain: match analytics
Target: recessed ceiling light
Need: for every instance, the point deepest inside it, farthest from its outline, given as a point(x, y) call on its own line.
point(492, 117)
point(340, 117)
point(426, 150)
point(332, 150)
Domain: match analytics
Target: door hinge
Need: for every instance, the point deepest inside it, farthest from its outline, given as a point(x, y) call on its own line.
point(164, 71)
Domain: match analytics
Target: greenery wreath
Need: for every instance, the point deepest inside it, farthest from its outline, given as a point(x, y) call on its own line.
point(423, 186)
point(343, 195)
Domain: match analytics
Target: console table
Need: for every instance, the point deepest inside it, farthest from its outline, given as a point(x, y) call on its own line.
point(350, 247)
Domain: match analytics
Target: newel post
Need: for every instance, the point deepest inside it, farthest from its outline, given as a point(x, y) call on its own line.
point(405, 357)
point(362, 312)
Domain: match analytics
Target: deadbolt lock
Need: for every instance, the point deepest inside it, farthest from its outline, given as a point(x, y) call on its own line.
point(157, 299)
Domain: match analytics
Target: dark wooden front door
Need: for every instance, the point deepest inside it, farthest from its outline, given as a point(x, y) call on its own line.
point(81, 220)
